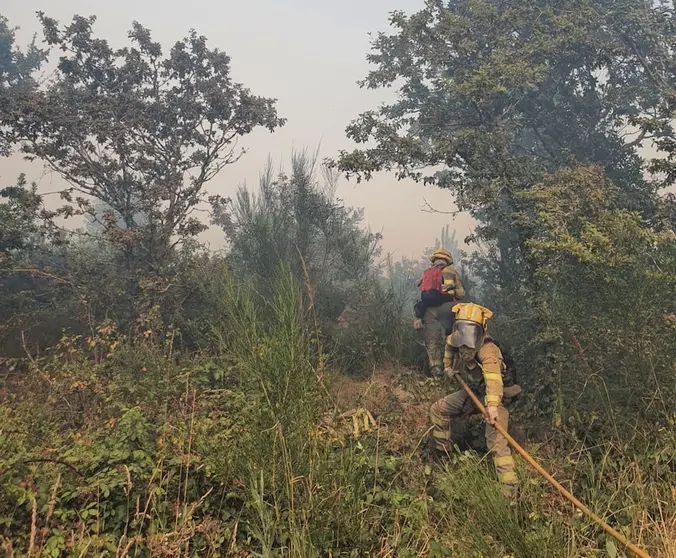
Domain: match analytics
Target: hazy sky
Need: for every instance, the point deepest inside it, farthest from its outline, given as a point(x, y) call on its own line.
point(309, 55)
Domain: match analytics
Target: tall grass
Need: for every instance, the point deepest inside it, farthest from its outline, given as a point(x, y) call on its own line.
point(275, 352)
point(241, 452)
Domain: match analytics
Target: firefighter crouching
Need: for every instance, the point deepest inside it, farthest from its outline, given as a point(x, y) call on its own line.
point(471, 353)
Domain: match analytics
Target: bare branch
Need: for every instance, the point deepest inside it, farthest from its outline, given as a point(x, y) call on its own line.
point(427, 208)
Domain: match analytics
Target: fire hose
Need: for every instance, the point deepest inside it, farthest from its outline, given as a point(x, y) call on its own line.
point(551, 480)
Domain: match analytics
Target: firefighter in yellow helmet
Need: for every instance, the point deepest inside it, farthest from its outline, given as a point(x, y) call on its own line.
point(471, 353)
point(440, 289)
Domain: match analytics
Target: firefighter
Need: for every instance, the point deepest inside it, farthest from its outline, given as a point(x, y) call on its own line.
point(472, 353)
point(440, 288)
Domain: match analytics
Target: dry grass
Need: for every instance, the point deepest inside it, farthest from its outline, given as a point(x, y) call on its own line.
point(398, 399)
point(666, 527)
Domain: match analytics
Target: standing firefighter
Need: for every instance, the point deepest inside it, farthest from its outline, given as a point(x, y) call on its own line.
point(471, 353)
point(440, 286)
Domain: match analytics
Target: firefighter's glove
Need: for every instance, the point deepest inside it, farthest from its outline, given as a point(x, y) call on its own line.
point(492, 412)
point(450, 373)
point(417, 323)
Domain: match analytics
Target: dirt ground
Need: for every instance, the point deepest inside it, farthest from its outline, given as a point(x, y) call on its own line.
point(398, 399)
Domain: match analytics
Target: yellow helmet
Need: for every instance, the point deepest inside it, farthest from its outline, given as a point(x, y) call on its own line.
point(471, 312)
point(470, 324)
point(442, 254)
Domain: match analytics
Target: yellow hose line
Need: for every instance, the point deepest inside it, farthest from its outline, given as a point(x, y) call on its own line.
point(551, 480)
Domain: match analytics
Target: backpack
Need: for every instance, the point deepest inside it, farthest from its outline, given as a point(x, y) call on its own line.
point(432, 280)
point(430, 287)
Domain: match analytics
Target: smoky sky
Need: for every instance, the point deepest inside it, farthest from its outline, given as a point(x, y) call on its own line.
point(307, 54)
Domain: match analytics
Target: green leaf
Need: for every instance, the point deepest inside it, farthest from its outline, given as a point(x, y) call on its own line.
point(611, 549)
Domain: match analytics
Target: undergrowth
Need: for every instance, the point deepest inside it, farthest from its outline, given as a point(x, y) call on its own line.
point(117, 446)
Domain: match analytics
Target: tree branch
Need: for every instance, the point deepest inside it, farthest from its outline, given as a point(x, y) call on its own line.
point(427, 208)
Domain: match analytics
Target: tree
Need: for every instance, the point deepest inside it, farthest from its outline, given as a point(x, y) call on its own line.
point(139, 131)
point(17, 70)
point(603, 292)
point(506, 95)
point(296, 219)
point(100, 213)
point(501, 92)
point(19, 226)
point(34, 298)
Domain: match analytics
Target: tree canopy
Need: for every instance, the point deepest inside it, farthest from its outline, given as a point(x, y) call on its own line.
point(539, 118)
point(499, 93)
point(139, 130)
point(17, 74)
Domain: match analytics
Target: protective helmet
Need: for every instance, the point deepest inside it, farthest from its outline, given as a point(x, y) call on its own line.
point(470, 323)
point(442, 254)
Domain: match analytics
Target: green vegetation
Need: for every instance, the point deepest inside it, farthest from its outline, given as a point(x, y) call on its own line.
point(161, 400)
